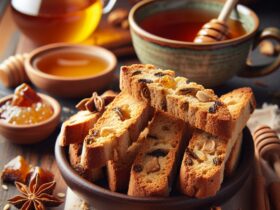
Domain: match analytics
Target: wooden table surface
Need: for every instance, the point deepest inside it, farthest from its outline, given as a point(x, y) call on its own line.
point(42, 154)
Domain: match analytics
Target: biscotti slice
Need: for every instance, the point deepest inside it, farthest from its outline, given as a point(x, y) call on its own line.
point(118, 172)
point(186, 100)
point(92, 175)
point(233, 158)
point(76, 128)
point(155, 165)
point(202, 168)
point(115, 130)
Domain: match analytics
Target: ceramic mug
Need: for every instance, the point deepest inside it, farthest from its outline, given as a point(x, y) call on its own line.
point(210, 64)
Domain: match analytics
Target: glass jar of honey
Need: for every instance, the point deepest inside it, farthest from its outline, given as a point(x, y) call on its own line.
point(49, 21)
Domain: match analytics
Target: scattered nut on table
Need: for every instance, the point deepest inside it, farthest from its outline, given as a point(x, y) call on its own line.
point(267, 48)
point(118, 18)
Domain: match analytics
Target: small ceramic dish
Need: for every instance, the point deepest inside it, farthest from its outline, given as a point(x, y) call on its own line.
point(103, 199)
point(30, 134)
point(70, 87)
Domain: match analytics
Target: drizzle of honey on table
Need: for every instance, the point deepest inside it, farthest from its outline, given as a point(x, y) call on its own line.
point(70, 64)
point(184, 24)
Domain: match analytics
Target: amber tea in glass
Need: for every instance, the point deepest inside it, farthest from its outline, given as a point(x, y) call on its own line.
point(49, 21)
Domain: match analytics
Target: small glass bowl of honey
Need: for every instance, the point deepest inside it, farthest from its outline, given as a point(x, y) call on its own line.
point(71, 71)
point(27, 117)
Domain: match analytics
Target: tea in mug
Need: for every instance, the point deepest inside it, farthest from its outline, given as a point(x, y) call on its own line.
point(184, 24)
point(48, 21)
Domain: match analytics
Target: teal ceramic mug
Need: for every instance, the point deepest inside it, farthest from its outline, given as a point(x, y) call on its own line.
point(210, 64)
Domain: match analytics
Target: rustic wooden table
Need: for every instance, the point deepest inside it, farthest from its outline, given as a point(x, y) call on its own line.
point(11, 42)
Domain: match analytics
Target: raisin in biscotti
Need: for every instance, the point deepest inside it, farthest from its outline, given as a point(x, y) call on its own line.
point(155, 165)
point(119, 126)
point(92, 175)
point(186, 100)
point(76, 128)
point(202, 168)
point(118, 172)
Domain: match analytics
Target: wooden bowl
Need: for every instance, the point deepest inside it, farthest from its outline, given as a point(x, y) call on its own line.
point(30, 134)
point(70, 87)
point(103, 199)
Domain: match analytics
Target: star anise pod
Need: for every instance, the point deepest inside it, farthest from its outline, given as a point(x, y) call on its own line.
point(96, 103)
point(35, 196)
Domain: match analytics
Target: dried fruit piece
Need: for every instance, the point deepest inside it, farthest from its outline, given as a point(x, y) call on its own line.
point(217, 161)
point(15, 170)
point(214, 107)
point(25, 96)
point(167, 81)
point(187, 91)
point(137, 168)
point(158, 153)
point(136, 73)
point(145, 92)
point(146, 81)
point(188, 161)
point(152, 136)
point(159, 74)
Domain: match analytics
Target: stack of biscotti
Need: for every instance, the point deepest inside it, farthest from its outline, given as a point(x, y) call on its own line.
point(185, 100)
point(118, 127)
point(75, 129)
point(202, 168)
point(72, 134)
point(154, 167)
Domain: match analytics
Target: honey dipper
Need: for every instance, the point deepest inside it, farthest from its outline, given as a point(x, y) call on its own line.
point(216, 29)
point(268, 145)
point(12, 71)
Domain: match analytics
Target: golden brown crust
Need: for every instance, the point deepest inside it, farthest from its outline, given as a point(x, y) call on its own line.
point(233, 159)
point(201, 175)
point(161, 89)
point(114, 132)
point(92, 175)
point(75, 129)
point(155, 165)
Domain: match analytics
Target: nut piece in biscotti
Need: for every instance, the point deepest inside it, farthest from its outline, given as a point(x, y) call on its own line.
point(183, 99)
point(154, 168)
point(75, 151)
point(202, 168)
point(76, 128)
point(233, 158)
point(115, 130)
point(118, 172)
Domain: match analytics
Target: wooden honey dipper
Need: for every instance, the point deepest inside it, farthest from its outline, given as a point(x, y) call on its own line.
point(12, 72)
point(216, 29)
point(268, 146)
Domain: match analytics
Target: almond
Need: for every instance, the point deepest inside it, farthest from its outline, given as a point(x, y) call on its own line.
point(203, 96)
point(152, 165)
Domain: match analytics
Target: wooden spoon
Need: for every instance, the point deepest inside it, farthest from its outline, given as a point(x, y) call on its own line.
point(217, 29)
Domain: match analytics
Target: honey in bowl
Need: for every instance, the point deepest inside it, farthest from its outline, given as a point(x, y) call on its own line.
point(25, 108)
point(184, 24)
point(49, 21)
point(70, 64)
